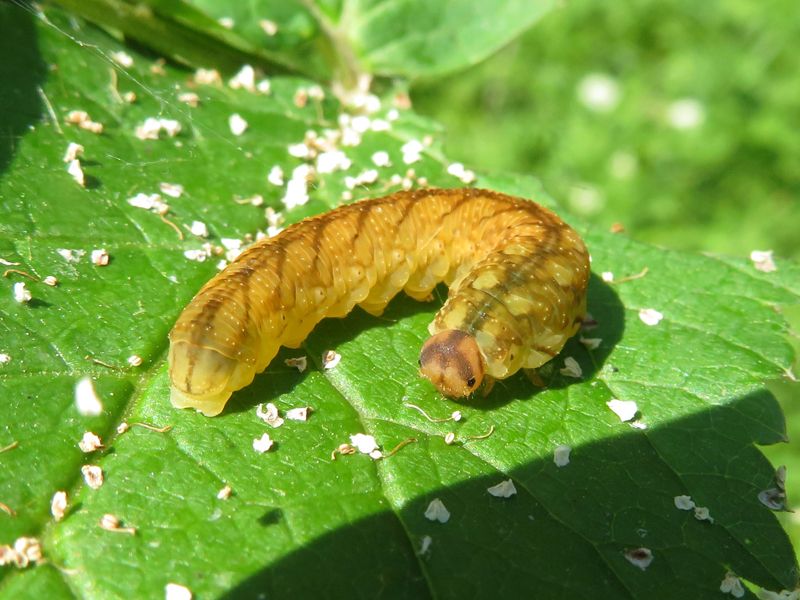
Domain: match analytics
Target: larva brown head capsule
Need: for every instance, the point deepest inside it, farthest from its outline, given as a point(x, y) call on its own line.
point(452, 361)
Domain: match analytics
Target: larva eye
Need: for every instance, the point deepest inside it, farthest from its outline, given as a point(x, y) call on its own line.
point(470, 382)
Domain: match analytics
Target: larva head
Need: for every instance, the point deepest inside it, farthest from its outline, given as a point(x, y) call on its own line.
point(204, 379)
point(452, 361)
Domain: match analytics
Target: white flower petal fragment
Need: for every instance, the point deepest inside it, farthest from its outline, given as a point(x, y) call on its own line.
point(436, 511)
point(639, 557)
point(561, 455)
point(504, 489)
point(625, 409)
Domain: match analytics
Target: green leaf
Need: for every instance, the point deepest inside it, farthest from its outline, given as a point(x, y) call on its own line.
point(299, 523)
point(328, 40)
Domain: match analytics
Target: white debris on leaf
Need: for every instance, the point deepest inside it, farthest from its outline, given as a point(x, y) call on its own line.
point(763, 261)
point(93, 476)
point(331, 161)
point(701, 513)
point(254, 200)
point(237, 124)
point(275, 176)
point(297, 187)
point(271, 416)
point(561, 455)
point(330, 359)
point(591, 343)
point(199, 229)
point(198, 255)
point(457, 170)
point(176, 591)
point(21, 293)
point(207, 77)
point(100, 257)
point(625, 409)
point(86, 399)
point(300, 150)
point(571, 368)
point(456, 416)
point(74, 151)
point(639, 557)
point(233, 247)
point(684, 502)
point(262, 444)
point(299, 362)
point(732, 585)
point(436, 511)
point(30, 548)
point(607, 276)
point(381, 159)
point(225, 492)
point(26, 550)
point(149, 202)
point(412, 151)
point(449, 438)
point(90, 442)
point(364, 443)
point(152, 127)
point(58, 505)
point(123, 59)
point(425, 545)
point(298, 414)
point(173, 190)
point(504, 489)
point(226, 22)
point(50, 280)
point(245, 79)
point(111, 522)
point(81, 119)
point(76, 172)
point(134, 360)
point(364, 178)
point(650, 316)
point(4, 358)
point(190, 98)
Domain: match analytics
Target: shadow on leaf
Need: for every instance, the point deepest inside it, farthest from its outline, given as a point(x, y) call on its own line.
point(566, 531)
point(20, 102)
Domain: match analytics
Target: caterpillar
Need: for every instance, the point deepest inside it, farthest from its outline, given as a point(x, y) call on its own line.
point(517, 277)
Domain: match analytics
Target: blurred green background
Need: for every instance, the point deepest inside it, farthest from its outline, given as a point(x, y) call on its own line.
point(678, 119)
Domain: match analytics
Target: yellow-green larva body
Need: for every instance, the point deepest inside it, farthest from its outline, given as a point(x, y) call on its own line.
point(517, 276)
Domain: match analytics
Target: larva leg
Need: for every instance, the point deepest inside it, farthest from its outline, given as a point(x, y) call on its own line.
point(534, 377)
point(488, 384)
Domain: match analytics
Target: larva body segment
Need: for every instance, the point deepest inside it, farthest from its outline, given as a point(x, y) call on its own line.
point(517, 275)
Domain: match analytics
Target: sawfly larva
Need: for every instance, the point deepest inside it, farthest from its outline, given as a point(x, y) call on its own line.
point(517, 276)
